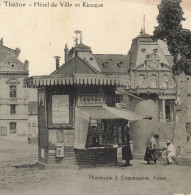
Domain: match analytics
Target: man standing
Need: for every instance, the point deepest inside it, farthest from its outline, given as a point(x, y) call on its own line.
point(170, 152)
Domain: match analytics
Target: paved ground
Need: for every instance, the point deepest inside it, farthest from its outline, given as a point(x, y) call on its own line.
point(139, 179)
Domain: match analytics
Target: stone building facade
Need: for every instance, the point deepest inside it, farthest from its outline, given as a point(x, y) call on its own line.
point(13, 96)
point(151, 79)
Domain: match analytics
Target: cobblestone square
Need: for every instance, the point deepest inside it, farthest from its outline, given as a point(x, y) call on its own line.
point(19, 175)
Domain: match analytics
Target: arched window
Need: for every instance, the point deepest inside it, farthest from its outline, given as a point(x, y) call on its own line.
point(141, 80)
point(165, 82)
point(153, 81)
point(13, 127)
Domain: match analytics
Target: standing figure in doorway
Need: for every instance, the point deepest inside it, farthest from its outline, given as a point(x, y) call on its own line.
point(126, 151)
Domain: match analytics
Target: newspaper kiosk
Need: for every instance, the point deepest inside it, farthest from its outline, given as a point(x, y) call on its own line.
point(77, 124)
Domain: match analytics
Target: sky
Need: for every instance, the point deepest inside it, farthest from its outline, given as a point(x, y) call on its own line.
point(42, 32)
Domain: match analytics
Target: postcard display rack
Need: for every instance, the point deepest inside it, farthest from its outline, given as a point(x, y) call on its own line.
point(103, 139)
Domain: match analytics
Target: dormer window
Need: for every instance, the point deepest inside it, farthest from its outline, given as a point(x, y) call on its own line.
point(120, 64)
point(105, 64)
point(12, 64)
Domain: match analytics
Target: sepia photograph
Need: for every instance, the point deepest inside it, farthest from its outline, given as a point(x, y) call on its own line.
point(95, 97)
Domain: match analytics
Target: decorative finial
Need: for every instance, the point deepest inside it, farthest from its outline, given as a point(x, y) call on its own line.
point(78, 32)
point(76, 38)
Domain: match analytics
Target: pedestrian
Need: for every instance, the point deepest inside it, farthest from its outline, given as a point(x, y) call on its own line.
point(156, 136)
point(170, 152)
point(152, 144)
point(126, 150)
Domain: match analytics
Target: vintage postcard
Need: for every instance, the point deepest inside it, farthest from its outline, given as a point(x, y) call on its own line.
point(95, 97)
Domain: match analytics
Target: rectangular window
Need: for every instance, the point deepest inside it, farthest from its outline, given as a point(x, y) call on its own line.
point(188, 128)
point(13, 109)
point(13, 92)
point(167, 111)
point(13, 127)
point(3, 131)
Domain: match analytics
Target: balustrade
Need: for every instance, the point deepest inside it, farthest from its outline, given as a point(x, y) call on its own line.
point(90, 99)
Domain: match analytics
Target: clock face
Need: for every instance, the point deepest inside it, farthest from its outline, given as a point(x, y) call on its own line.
point(153, 64)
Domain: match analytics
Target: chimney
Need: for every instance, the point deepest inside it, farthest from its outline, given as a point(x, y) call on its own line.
point(66, 53)
point(57, 61)
point(1, 43)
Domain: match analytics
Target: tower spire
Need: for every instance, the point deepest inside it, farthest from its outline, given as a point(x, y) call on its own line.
point(144, 23)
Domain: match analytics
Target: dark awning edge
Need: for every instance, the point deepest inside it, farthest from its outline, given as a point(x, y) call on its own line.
point(105, 112)
point(127, 114)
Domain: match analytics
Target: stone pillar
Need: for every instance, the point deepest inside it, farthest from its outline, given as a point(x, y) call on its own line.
point(163, 111)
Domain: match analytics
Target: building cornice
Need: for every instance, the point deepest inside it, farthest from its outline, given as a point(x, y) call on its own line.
point(8, 74)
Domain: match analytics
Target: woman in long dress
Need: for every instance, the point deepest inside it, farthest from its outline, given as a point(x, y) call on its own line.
point(126, 151)
point(152, 144)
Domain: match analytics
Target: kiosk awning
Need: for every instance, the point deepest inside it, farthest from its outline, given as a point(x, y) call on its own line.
point(106, 112)
point(99, 113)
point(84, 114)
point(126, 114)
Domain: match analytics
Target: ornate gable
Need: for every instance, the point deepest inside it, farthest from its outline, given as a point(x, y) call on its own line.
point(148, 54)
point(154, 61)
